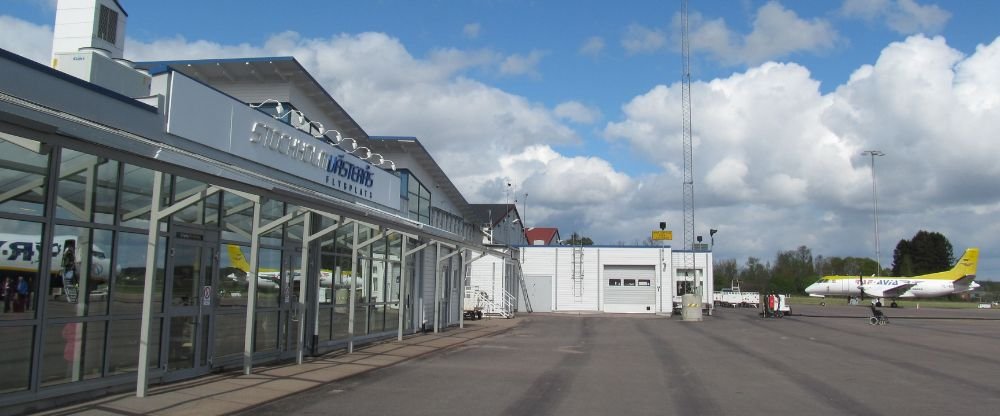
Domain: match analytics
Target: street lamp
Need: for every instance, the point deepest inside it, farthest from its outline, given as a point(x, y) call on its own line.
point(711, 235)
point(878, 261)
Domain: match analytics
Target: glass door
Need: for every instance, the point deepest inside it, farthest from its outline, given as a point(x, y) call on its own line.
point(291, 278)
point(188, 311)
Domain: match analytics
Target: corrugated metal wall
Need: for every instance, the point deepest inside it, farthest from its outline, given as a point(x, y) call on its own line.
point(588, 294)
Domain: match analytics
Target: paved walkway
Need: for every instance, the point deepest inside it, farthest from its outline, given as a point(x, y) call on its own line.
point(233, 392)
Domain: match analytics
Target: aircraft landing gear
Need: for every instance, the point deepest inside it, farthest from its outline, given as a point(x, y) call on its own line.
point(878, 304)
point(893, 305)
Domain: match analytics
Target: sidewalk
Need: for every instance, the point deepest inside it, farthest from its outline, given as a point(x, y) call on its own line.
point(233, 392)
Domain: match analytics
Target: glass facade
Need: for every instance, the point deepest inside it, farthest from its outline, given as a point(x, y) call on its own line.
point(417, 196)
point(74, 236)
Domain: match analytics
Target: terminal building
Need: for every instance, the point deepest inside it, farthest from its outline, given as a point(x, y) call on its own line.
point(202, 215)
point(163, 220)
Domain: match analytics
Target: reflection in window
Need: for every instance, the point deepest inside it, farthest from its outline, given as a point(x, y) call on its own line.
point(271, 210)
point(21, 251)
point(419, 199)
point(123, 345)
point(82, 268)
point(614, 282)
point(328, 264)
point(72, 352)
point(130, 274)
point(234, 286)
point(266, 331)
point(198, 212)
point(16, 362)
point(268, 278)
point(25, 165)
point(137, 187)
point(87, 187)
point(237, 217)
point(229, 334)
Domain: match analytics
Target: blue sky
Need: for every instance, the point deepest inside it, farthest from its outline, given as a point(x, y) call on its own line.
point(578, 104)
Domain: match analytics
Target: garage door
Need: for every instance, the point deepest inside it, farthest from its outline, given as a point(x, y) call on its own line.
point(629, 289)
point(539, 293)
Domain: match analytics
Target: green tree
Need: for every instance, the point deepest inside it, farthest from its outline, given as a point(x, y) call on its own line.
point(755, 276)
point(845, 266)
point(724, 272)
point(793, 271)
point(576, 239)
point(926, 252)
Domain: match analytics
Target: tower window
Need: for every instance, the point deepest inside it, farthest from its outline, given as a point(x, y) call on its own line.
point(107, 27)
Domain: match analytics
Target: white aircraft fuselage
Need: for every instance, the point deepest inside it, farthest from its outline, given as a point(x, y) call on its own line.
point(957, 280)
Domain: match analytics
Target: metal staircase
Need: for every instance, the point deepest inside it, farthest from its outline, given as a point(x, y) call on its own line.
point(499, 306)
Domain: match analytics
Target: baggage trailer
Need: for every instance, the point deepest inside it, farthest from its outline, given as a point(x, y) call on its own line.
point(734, 297)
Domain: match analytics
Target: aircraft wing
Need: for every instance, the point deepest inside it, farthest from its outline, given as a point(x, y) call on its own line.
point(892, 292)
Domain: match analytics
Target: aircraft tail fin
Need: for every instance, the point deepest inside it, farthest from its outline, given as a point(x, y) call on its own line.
point(966, 266)
point(237, 258)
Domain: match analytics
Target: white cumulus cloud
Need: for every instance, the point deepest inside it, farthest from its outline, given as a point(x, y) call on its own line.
point(902, 16)
point(776, 33)
point(592, 47)
point(577, 112)
point(641, 39)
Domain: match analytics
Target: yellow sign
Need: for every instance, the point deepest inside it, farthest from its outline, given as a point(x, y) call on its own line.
point(663, 235)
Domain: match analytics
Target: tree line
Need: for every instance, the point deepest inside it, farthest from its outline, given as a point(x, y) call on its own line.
point(793, 270)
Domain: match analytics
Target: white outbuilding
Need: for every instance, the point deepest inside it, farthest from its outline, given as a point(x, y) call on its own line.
point(614, 279)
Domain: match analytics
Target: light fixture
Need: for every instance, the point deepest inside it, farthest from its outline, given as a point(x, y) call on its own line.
point(354, 143)
point(368, 152)
point(321, 132)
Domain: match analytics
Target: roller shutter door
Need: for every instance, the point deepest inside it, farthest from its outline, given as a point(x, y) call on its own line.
point(629, 289)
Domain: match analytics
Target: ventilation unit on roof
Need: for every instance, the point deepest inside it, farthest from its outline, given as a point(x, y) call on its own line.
point(88, 42)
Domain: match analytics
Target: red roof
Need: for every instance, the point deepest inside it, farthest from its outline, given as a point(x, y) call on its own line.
point(549, 236)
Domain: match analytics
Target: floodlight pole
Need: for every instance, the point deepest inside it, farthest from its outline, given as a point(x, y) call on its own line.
point(878, 260)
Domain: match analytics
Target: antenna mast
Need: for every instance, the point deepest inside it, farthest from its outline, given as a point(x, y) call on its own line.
point(688, 152)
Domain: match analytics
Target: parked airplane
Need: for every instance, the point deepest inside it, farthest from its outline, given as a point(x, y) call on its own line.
point(22, 253)
point(270, 278)
point(957, 280)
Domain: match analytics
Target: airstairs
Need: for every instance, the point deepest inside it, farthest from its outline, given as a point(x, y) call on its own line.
point(502, 305)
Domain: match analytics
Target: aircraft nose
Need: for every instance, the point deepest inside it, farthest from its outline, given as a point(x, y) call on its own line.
point(811, 288)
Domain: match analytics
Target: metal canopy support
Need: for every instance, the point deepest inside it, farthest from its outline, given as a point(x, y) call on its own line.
point(438, 282)
point(402, 288)
point(437, 285)
point(315, 310)
point(303, 283)
point(259, 230)
point(407, 253)
point(461, 293)
point(142, 384)
point(353, 295)
point(252, 292)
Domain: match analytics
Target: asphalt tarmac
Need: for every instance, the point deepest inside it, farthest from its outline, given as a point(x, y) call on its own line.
point(822, 361)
